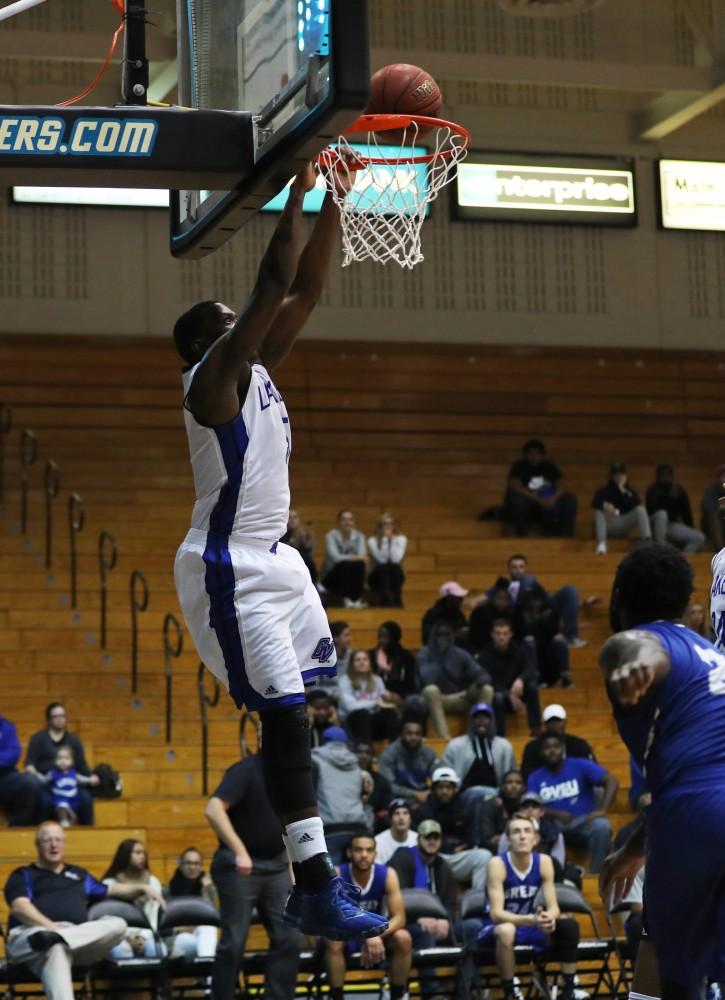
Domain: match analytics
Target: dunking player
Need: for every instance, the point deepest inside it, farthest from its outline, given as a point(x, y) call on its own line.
point(248, 600)
point(667, 686)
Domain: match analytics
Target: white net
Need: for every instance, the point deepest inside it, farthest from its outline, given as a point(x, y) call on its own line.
point(383, 213)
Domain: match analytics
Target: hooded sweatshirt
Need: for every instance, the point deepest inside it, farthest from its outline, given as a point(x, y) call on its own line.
point(406, 770)
point(452, 671)
point(338, 781)
point(463, 751)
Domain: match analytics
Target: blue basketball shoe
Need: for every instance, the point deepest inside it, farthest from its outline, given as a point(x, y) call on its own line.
point(334, 913)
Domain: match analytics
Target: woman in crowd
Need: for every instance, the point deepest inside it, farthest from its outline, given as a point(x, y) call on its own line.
point(301, 537)
point(697, 619)
point(387, 550)
point(366, 707)
point(396, 666)
point(130, 864)
point(190, 879)
point(345, 561)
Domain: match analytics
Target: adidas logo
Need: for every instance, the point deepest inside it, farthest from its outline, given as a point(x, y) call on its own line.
point(305, 839)
point(270, 691)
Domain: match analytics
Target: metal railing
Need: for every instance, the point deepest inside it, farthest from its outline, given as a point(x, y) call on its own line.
point(172, 650)
point(52, 485)
point(28, 455)
point(107, 558)
point(76, 520)
point(138, 604)
point(6, 425)
point(205, 703)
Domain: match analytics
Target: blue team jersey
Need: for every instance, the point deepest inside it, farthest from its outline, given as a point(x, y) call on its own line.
point(571, 787)
point(373, 895)
point(678, 734)
point(519, 889)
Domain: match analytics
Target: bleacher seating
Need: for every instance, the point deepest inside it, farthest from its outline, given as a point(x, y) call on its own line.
point(425, 431)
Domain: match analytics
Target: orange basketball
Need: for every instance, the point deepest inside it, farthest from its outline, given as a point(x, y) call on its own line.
point(406, 90)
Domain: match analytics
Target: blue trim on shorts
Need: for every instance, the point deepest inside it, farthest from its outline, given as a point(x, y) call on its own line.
point(219, 579)
point(311, 675)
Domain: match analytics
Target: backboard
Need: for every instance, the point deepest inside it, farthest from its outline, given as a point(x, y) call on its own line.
point(299, 67)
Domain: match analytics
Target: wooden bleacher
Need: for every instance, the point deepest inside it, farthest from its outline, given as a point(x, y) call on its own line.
point(425, 431)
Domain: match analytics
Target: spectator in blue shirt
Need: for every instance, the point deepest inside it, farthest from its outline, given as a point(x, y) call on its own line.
point(19, 793)
point(567, 786)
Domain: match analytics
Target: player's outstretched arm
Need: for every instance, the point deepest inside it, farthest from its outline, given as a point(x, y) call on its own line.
point(308, 283)
point(632, 662)
point(220, 383)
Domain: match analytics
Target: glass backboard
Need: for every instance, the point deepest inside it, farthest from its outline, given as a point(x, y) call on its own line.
point(300, 68)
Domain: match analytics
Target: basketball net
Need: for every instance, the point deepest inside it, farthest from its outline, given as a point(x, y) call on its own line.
point(390, 189)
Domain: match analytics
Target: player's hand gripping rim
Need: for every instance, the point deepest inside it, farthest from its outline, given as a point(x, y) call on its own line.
point(617, 876)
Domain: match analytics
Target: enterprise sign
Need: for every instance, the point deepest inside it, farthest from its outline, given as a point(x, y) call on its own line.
point(545, 189)
point(692, 195)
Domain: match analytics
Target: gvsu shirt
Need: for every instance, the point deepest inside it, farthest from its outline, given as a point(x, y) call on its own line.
point(571, 788)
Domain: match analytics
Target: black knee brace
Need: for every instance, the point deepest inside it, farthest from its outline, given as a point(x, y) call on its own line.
point(566, 939)
point(286, 759)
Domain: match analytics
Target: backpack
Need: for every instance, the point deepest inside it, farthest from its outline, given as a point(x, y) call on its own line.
point(111, 782)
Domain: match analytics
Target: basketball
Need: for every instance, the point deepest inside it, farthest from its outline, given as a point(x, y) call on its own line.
point(405, 90)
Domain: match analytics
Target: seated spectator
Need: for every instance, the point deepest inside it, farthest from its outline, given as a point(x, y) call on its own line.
point(190, 879)
point(65, 783)
point(339, 787)
point(301, 537)
point(513, 917)
point(514, 686)
point(551, 839)
point(668, 506)
point(633, 925)
point(408, 764)
point(459, 827)
point(567, 786)
point(342, 637)
point(379, 892)
point(496, 812)
point(40, 759)
point(711, 519)
point(366, 707)
point(422, 867)
point(521, 581)
point(479, 758)
point(537, 495)
point(377, 801)
point(554, 719)
point(19, 793)
point(130, 865)
point(697, 620)
point(387, 551)
point(618, 510)
point(448, 608)
point(451, 679)
point(400, 833)
point(495, 604)
point(321, 714)
point(396, 665)
point(537, 621)
point(49, 927)
point(343, 574)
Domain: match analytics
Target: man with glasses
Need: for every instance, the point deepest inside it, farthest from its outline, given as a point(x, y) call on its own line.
point(40, 759)
point(422, 867)
point(49, 928)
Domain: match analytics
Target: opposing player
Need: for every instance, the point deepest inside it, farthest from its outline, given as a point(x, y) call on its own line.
point(248, 600)
point(380, 893)
point(717, 592)
point(513, 915)
point(667, 686)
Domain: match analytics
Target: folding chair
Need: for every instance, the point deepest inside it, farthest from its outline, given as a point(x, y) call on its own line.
point(122, 975)
point(187, 974)
point(622, 949)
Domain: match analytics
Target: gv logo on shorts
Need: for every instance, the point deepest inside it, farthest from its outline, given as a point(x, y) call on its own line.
point(323, 650)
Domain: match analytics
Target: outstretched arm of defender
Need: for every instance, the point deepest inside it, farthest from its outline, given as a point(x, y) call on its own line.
point(632, 662)
point(215, 392)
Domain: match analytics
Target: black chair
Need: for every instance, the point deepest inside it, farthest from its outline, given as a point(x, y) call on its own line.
point(187, 974)
point(622, 947)
point(122, 975)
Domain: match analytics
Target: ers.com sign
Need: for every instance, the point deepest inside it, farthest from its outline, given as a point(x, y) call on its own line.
point(692, 194)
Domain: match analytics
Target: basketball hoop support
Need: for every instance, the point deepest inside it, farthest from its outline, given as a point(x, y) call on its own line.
point(135, 64)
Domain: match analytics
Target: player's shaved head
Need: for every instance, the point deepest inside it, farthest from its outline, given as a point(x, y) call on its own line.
point(652, 582)
point(198, 328)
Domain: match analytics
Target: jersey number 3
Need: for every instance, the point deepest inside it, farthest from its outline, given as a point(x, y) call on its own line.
point(716, 677)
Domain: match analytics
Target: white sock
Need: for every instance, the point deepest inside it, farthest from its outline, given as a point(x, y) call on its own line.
point(305, 839)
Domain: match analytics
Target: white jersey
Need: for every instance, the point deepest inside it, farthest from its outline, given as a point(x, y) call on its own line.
point(717, 600)
point(241, 473)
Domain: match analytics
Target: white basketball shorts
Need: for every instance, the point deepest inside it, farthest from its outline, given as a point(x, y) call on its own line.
point(255, 617)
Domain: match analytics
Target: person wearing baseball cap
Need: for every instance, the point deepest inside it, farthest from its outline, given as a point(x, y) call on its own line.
point(446, 609)
point(400, 833)
point(459, 828)
point(554, 720)
point(480, 758)
point(618, 510)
